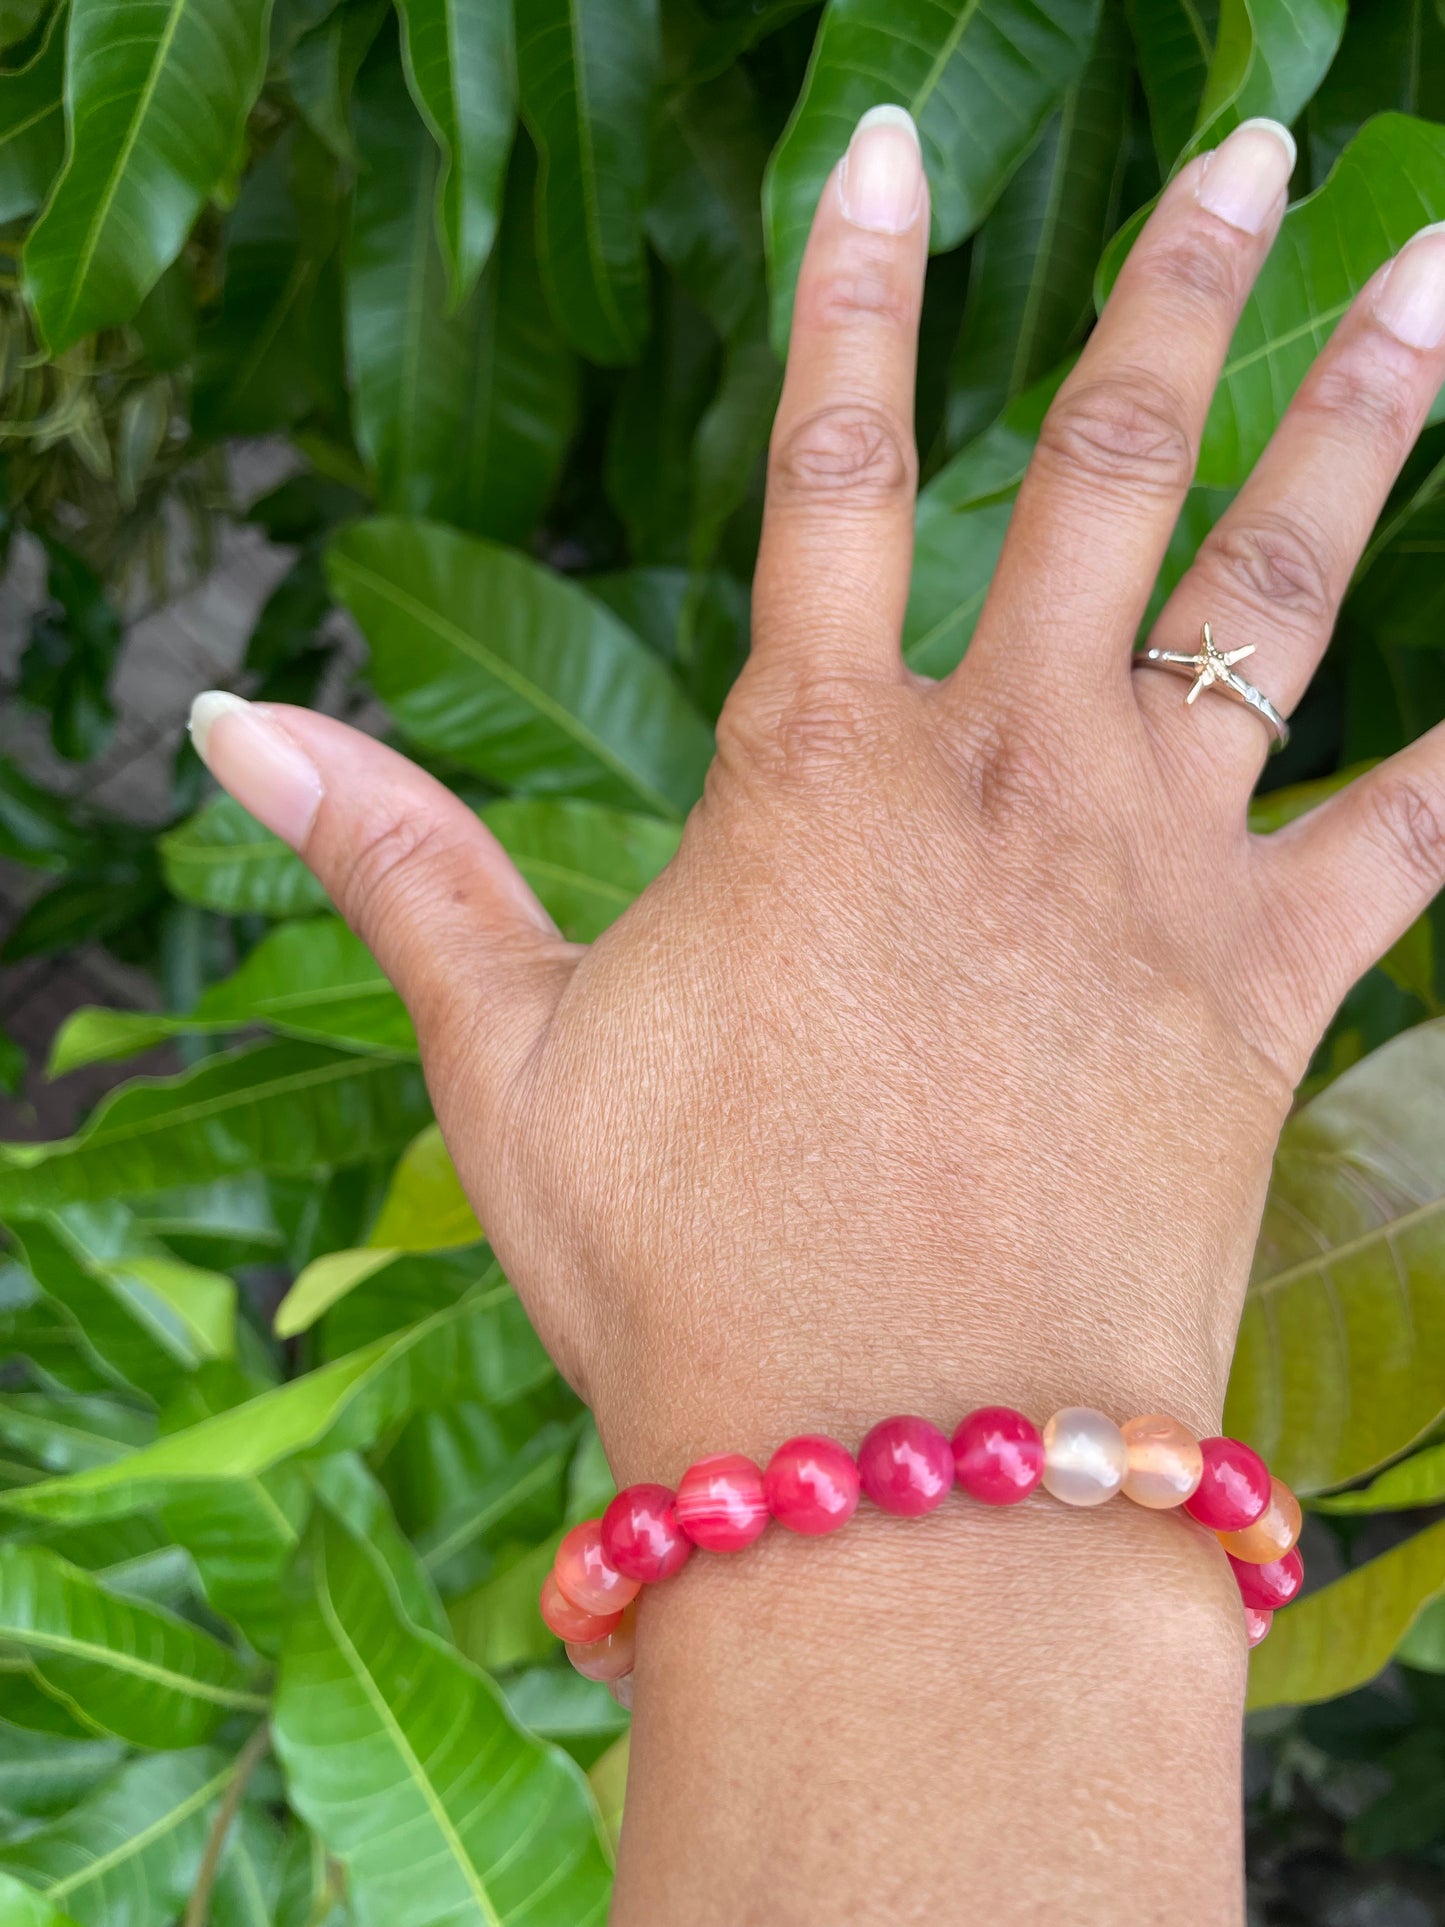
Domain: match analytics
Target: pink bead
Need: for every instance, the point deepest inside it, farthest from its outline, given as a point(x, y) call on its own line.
point(1234, 1489)
point(998, 1455)
point(1257, 1622)
point(611, 1657)
point(641, 1536)
point(905, 1465)
point(569, 1621)
point(812, 1485)
point(583, 1572)
point(721, 1504)
point(1268, 1586)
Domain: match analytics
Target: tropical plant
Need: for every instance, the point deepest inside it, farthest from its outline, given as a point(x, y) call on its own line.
point(511, 290)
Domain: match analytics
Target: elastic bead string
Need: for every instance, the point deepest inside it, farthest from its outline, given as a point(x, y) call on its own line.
point(813, 1486)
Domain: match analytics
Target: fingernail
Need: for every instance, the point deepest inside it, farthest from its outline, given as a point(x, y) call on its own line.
point(1246, 174)
point(266, 771)
point(880, 182)
point(1410, 300)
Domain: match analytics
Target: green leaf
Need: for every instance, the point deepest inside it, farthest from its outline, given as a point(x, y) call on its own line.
point(324, 1282)
point(709, 153)
point(1336, 1370)
point(1174, 40)
point(127, 1855)
point(497, 1624)
point(586, 863)
point(313, 980)
point(557, 1704)
point(980, 77)
point(147, 1318)
point(322, 72)
point(248, 1880)
point(1336, 1639)
point(490, 383)
point(1392, 56)
point(521, 1502)
point(67, 1435)
point(649, 465)
point(22, 1906)
point(410, 1289)
point(1415, 1481)
point(41, 1773)
point(478, 1346)
point(156, 104)
point(502, 1822)
point(587, 70)
point(425, 1209)
point(357, 1497)
point(32, 127)
point(460, 66)
point(1031, 279)
point(733, 433)
point(516, 674)
point(1269, 57)
point(223, 860)
point(279, 1107)
point(40, 829)
point(134, 1670)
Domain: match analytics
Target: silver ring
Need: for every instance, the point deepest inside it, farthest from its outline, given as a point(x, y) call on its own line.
point(1213, 668)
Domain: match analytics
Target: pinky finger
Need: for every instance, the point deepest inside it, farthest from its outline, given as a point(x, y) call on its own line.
point(1352, 876)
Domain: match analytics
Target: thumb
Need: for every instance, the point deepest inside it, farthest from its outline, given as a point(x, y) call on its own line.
point(426, 887)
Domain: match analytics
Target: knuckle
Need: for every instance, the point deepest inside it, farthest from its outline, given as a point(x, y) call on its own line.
point(1360, 395)
point(1408, 817)
point(1124, 430)
point(829, 722)
point(864, 290)
point(1275, 559)
point(851, 452)
point(1012, 774)
point(1202, 267)
point(389, 863)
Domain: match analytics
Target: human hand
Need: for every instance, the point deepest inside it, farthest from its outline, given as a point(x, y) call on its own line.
point(945, 1062)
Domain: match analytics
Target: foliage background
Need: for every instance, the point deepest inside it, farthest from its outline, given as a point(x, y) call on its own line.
point(281, 1464)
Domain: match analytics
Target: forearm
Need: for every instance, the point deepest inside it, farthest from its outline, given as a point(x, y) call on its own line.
point(1024, 1715)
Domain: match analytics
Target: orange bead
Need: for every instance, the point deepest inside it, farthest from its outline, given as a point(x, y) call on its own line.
point(569, 1621)
point(611, 1657)
point(1272, 1534)
point(1165, 1462)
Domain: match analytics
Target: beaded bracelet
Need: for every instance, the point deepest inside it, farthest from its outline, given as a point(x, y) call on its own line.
point(907, 1466)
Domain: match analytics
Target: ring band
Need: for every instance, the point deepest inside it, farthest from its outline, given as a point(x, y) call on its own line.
point(1213, 668)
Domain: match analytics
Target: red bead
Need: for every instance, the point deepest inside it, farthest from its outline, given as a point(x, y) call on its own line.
point(905, 1465)
point(1266, 1587)
point(998, 1455)
point(812, 1485)
point(641, 1535)
point(1257, 1623)
point(569, 1621)
point(1234, 1490)
point(721, 1504)
point(585, 1574)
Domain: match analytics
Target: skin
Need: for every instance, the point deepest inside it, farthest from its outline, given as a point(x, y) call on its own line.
point(942, 1067)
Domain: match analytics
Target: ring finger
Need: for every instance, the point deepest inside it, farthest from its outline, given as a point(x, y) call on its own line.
point(1276, 566)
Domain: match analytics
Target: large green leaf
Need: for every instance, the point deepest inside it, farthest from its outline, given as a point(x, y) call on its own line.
point(279, 1107)
point(41, 1773)
point(1339, 1637)
point(586, 863)
point(1416, 1481)
point(128, 1854)
point(156, 100)
point(313, 980)
point(32, 126)
point(1031, 278)
point(515, 673)
point(67, 1435)
point(134, 1670)
point(649, 447)
point(1269, 57)
point(478, 1346)
point(460, 66)
point(980, 77)
point(425, 1207)
point(1392, 56)
point(23, 1906)
point(587, 71)
point(147, 1318)
point(1175, 43)
point(223, 860)
point(709, 153)
point(1339, 1362)
point(402, 1756)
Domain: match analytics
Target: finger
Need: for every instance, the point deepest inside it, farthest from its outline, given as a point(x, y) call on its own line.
point(1275, 569)
point(1117, 450)
point(426, 887)
point(1348, 879)
point(837, 542)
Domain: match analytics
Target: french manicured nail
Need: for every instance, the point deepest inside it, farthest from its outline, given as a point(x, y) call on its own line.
point(880, 182)
point(1410, 300)
point(267, 772)
point(1246, 174)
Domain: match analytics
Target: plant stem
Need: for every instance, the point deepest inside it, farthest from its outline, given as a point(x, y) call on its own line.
point(247, 1761)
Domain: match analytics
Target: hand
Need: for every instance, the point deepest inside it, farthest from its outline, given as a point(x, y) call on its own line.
point(945, 1063)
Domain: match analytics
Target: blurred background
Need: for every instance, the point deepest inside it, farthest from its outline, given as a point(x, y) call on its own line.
point(416, 361)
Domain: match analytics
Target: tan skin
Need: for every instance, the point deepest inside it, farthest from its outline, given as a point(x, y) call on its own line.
point(943, 1066)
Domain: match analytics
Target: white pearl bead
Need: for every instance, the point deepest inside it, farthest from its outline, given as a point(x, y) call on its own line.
point(1085, 1456)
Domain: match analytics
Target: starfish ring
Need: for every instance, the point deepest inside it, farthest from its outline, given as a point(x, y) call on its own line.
point(1212, 668)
